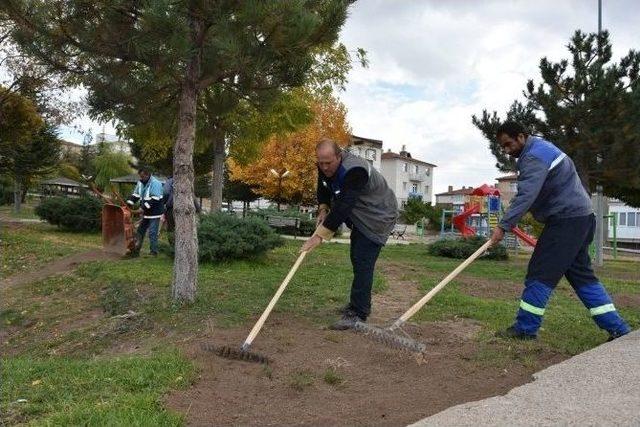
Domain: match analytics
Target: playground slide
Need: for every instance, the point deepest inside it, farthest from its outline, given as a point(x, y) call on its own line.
point(529, 240)
point(460, 222)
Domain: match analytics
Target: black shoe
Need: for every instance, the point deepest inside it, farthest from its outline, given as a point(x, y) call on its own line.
point(512, 333)
point(614, 335)
point(343, 310)
point(134, 253)
point(348, 321)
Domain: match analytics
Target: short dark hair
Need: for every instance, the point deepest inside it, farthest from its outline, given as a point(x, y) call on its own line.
point(511, 128)
point(145, 169)
point(329, 142)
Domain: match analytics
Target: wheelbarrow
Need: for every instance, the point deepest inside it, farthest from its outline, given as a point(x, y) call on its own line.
point(118, 234)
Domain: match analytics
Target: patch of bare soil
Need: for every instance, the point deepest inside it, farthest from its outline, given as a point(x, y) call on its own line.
point(325, 378)
point(60, 266)
point(627, 300)
point(320, 377)
point(398, 298)
point(485, 288)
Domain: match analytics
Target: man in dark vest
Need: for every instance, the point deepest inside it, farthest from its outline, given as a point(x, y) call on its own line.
point(352, 192)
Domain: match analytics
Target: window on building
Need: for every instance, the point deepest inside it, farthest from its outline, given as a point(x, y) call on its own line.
point(622, 219)
point(427, 171)
point(426, 189)
point(405, 167)
point(631, 219)
point(414, 188)
point(416, 169)
point(370, 154)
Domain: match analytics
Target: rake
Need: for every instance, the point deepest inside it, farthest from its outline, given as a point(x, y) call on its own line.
point(243, 353)
point(389, 337)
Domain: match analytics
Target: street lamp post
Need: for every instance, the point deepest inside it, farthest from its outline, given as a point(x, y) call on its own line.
point(599, 202)
point(280, 176)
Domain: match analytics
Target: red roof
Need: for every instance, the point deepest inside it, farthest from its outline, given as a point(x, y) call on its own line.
point(485, 190)
point(463, 191)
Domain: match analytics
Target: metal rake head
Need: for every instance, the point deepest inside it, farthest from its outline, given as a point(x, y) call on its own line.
point(389, 338)
point(235, 353)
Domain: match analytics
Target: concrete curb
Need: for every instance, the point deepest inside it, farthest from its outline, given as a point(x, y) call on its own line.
point(600, 387)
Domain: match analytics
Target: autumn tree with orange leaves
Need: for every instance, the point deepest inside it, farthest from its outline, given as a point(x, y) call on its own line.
point(294, 153)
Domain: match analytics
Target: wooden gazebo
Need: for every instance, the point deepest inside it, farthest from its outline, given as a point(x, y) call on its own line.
point(62, 186)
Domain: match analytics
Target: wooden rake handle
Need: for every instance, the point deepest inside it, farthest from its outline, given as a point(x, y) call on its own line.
point(417, 306)
point(272, 303)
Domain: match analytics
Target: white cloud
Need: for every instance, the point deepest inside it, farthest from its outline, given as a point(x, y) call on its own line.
point(433, 64)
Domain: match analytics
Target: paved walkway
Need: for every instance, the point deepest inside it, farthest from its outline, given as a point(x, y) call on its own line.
point(600, 387)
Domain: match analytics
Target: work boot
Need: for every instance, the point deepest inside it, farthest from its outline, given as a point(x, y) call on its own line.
point(512, 333)
point(133, 253)
point(614, 335)
point(348, 321)
point(343, 309)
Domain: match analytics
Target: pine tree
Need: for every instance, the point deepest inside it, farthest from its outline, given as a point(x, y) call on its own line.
point(588, 106)
point(174, 50)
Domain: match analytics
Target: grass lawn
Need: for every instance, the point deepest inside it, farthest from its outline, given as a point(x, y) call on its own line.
point(26, 211)
point(27, 246)
point(66, 333)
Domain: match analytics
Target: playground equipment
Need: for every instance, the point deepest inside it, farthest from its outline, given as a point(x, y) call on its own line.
point(479, 216)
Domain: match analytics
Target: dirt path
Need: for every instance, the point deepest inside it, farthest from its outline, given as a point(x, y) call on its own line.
point(319, 377)
point(59, 266)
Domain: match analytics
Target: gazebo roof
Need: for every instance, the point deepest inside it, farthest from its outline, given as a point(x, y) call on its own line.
point(62, 181)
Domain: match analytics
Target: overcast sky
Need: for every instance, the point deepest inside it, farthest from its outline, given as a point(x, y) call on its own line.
point(435, 63)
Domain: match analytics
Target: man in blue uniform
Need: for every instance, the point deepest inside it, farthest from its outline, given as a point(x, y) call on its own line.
point(147, 192)
point(549, 187)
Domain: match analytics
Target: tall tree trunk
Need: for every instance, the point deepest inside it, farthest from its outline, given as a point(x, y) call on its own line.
point(185, 264)
point(23, 197)
point(217, 181)
point(17, 195)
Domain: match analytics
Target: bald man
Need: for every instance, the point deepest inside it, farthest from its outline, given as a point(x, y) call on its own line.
point(352, 192)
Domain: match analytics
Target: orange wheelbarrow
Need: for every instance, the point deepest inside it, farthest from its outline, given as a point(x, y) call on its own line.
point(118, 234)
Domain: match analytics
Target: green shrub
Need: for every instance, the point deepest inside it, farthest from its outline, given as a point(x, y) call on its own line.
point(463, 248)
point(72, 214)
point(224, 237)
point(529, 225)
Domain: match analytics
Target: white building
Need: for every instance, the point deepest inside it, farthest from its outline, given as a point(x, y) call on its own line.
point(508, 187)
point(367, 148)
point(114, 142)
point(454, 199)
point(628, 222)
point(407, 177)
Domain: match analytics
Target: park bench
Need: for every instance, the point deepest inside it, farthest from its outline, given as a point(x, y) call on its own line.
point(398, 231)
point(284, 223)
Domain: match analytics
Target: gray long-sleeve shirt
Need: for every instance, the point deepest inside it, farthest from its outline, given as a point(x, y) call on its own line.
point(548, 186)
